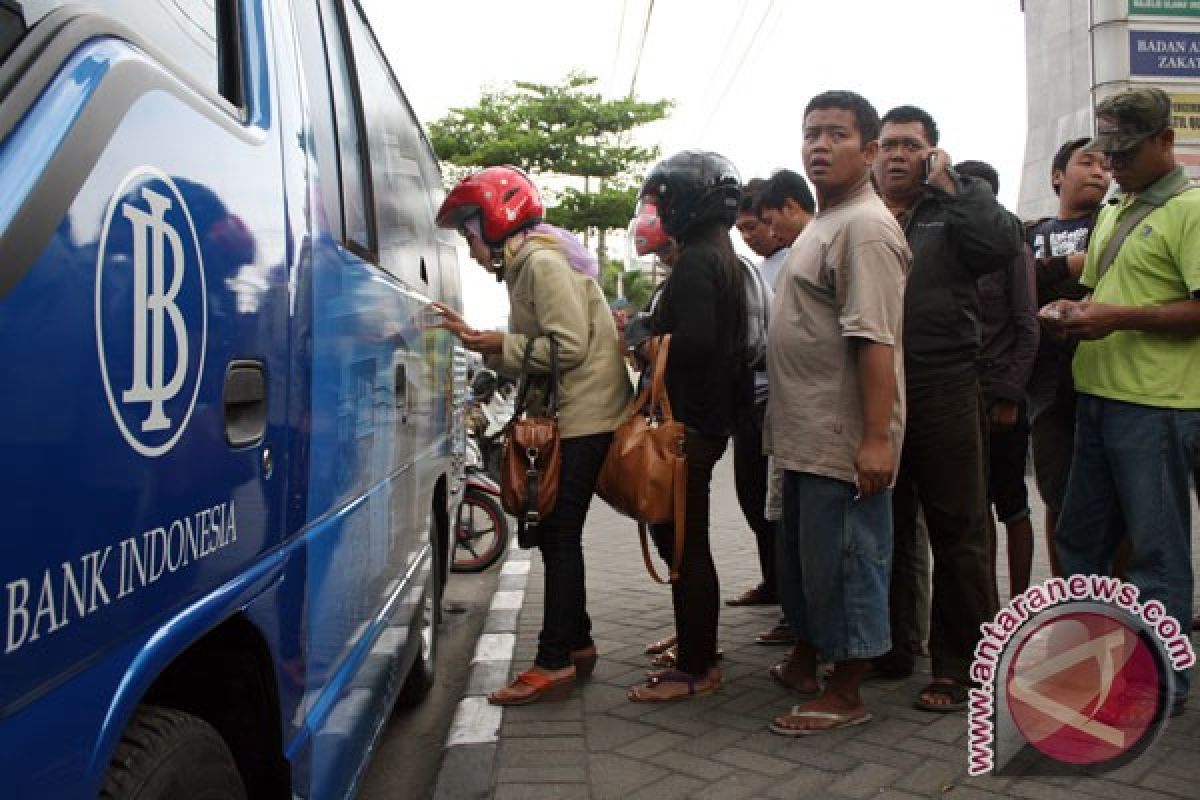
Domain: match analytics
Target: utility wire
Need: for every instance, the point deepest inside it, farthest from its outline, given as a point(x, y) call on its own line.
point(741, 62)
point(620, 39)
point(637, 66)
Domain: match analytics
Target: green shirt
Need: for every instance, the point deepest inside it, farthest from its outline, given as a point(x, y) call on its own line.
point(1158, 263)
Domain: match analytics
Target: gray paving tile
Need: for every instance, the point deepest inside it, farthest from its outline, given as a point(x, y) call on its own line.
point(808, 783)
point(931, 778)
point(542, 791)
point(540, 728)
point(736, 786)
point(672, 787)
point(542, 744)
point(614, 777)
point(688, 764)
point(865, 780)
point(606, 732)
point(652, 745)
point(756, 762)
point(545, 773)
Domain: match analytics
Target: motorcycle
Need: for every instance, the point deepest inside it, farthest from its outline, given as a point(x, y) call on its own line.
point(481, 531)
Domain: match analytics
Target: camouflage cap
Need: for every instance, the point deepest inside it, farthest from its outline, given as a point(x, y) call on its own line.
point(1124, 120)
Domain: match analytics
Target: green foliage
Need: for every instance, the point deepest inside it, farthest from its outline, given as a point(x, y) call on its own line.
point(607, 208)
point(565, 129)
point(636, 285)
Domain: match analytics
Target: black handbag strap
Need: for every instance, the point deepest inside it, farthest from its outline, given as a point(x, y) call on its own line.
point(523, 391)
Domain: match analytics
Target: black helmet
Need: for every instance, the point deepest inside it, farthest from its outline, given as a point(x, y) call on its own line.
point(691, 187)
point(483, 384)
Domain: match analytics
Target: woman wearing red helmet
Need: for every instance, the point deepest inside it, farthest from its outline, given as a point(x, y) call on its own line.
point(553, 295)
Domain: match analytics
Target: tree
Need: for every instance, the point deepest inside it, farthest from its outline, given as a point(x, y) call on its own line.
point(636, 286)
point(567, 130)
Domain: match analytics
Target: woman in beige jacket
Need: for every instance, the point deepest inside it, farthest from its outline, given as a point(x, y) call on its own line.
point(553, 295)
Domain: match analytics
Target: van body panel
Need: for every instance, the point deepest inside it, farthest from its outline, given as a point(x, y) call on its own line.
point(170, 276)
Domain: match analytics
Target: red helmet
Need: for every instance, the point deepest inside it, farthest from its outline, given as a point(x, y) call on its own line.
point(504, 197)
point(647, 230)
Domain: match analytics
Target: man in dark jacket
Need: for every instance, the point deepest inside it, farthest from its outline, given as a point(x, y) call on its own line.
point(1009, 341)
point(957, 232)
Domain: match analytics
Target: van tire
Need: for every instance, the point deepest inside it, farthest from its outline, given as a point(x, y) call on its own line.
point(166, 754)
point(423, 673)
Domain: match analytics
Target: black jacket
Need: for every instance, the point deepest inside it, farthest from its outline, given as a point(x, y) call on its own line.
point(706, 378)
point(954, 240)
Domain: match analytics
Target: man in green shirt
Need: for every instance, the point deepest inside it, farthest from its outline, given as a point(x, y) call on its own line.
point(1137, 369)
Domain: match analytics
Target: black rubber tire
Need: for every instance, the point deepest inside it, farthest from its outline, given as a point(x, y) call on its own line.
point(421, 676)
point(166, 754)
point(494, 539)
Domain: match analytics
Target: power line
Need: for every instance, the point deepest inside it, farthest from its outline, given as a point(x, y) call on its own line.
point(637, 66)
point(733, 76)
point(620, 39)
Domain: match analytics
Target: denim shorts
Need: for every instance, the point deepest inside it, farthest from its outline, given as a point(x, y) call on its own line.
point(834, 562)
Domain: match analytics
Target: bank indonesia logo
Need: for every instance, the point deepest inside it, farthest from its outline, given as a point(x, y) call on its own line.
point(151, 312)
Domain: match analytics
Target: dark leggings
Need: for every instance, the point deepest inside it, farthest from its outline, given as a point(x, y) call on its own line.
point(565, 622)
point(695, 595)
point(750, 481)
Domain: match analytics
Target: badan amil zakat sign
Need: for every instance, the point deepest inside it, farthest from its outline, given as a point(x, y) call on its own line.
point(1164, 54)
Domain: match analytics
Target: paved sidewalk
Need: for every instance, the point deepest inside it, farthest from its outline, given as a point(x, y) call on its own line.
point(599, 745)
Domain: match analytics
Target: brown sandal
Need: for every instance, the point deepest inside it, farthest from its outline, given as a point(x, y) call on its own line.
point(661, 646)
point(669, 657)
point(693, 683)
point(585, 662)
point(543, 688)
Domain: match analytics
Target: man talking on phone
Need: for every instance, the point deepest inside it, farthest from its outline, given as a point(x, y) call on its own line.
point(957, 232)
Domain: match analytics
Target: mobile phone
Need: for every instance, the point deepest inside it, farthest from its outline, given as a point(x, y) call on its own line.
point(930, 164)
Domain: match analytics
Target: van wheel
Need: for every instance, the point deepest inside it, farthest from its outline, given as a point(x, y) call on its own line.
point(169, 755)
point(421, 676)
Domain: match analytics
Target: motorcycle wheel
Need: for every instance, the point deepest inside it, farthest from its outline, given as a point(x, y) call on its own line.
point(480, 533)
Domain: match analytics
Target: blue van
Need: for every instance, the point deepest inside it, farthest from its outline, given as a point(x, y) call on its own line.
point(228, 448)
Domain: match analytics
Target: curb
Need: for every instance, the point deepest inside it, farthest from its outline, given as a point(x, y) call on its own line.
point(471, 743)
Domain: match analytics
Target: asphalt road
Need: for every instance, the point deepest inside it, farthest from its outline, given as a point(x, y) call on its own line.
point(406, 760)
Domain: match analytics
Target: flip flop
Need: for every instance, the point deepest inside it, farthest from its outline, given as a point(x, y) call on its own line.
point(839, 721)
point(777, 674)
point(955, 691)
point(672, 676)
point(543, 689)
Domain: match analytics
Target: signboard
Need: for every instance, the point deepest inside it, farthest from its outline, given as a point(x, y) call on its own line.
point(1185, 117)
point(1164, 54)
point(1165, 8)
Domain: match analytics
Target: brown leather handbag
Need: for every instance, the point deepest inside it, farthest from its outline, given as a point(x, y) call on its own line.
point(531, 462)
point(645, 472)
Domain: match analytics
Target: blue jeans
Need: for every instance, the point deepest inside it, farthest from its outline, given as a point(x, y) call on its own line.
point(1134, 461)
point(835, 561)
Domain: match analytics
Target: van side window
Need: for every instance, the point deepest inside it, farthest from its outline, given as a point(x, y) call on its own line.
point(355, 187)
point(403, 216)
point(321, 119)
point(199, 36)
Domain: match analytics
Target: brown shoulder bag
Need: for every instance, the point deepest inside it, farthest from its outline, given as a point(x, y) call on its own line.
point(531, 462)
point(645, 472)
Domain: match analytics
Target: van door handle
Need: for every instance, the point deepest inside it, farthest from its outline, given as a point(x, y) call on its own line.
point(401, 388)
point(245, 401)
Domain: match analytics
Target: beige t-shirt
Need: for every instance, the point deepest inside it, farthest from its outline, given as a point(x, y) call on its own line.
point(843, 280)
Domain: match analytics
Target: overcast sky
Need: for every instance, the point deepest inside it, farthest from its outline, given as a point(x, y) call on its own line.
point(739, 72)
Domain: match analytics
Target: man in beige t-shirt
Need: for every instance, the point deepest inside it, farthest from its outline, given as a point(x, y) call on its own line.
point(835, 418)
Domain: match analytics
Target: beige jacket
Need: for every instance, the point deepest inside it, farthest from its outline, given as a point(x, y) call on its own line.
point(548, 298)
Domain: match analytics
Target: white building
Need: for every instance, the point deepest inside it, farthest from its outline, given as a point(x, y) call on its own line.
point(1077, 52)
